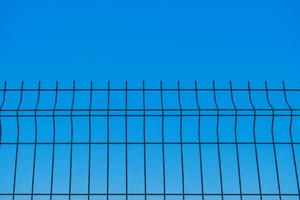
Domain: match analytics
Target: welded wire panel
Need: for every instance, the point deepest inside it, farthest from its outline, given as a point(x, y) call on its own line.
point(149, 142)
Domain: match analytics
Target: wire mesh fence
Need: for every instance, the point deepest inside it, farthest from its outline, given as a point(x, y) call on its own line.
point(149, 143)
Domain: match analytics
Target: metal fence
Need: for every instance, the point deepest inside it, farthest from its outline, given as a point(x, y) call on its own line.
point(149, 142)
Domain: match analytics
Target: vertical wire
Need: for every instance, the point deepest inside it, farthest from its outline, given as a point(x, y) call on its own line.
point(72, 138)
point(126, 137)
point(273, 140)
point(144, 138)
point(236, 140)
point(1, 106)
point(18, 139)
point(163, 138)
point(291, 137)
point(218, 140)
point(35, 138)
point(90, 139)
point(181, 140)
point(53, 140)
point(255, 141)
point(107, 150)
point(199, 138)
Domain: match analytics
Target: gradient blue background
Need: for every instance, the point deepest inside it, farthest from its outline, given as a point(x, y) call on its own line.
point(153, 40)
point(135, 40)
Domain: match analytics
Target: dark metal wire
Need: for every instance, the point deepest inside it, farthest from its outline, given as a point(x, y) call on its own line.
point(148, 89)
point(218, 141)
point(156, 194)
point(273, 140)
point(199, 139)
point(148, 109)
point(90, 141)
point(149, 143)
point(54, 143)
point(291, 137)
point(163, 138)
point(255, 141)
point(35, 140)
point(217, 114)
point(236, 140)
point(72, 140)
point(144, 140)
point(18, 139)
point(126, 139)
point(108, 141)
point(181, 145)
point(1, 106)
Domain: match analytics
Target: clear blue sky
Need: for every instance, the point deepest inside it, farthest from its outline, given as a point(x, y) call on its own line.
point(135, 40)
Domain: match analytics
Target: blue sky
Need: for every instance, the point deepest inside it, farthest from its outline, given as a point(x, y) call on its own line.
point(151, 40)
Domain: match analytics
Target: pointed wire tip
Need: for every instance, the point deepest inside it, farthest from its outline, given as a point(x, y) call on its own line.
point(196, 84)
point(214, 84)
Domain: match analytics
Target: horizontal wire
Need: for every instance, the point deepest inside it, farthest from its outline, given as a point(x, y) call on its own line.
point(150, 115)
point(158, 109)
point(149, 194)
point(148, 89)
point(142, 143)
